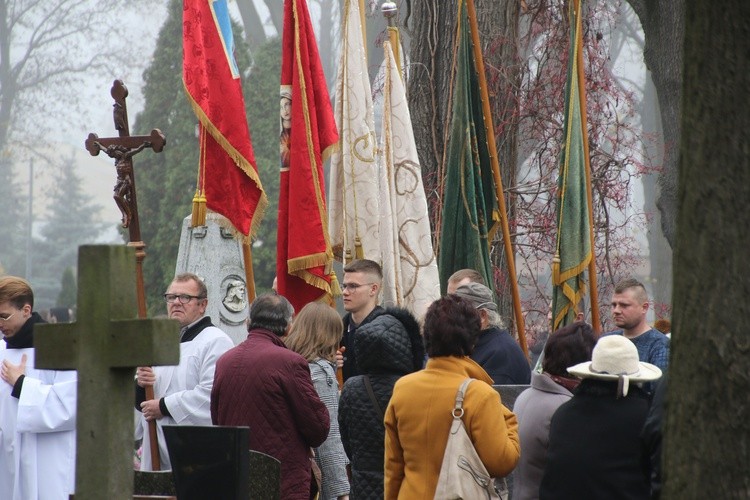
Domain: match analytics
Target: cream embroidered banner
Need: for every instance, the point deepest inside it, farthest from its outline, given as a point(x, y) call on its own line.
point(354, 205)
point(409, 266)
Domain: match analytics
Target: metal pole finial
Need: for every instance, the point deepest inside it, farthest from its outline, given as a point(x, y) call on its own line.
point(390, 11)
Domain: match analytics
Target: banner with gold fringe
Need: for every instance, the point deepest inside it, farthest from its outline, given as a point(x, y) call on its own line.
point(308, 133)
point(469, 217)
point(354, 209)
point(228, 181)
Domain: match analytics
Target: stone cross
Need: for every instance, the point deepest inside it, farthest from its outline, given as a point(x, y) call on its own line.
point(105, 345)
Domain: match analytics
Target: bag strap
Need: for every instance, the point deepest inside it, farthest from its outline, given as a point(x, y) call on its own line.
point(458, 409)
point(374, 400)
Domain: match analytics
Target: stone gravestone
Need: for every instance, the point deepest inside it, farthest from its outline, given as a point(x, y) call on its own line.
point(215, 255)
point(209, 461)
point(214, 462)
point(265, 476)
point(154, 483)
point(105, 345)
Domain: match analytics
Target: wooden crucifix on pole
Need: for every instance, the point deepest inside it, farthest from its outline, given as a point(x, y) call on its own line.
point(122, 149)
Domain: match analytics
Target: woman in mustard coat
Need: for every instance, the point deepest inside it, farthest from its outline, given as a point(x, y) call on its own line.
point(419, 415)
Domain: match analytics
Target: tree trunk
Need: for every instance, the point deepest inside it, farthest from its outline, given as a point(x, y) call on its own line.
point(707, 426)
point(276, 10)
point(659, 251)
point(433, 24)
point(499, 29)
point(664, 27)
point(329, 10)
point(255, 35)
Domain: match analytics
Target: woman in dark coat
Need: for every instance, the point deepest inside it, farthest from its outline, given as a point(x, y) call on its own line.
point(595, 447)
point(387, 347)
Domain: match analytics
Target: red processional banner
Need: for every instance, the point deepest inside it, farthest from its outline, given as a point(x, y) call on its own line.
point(228, 174)
point(308, 134)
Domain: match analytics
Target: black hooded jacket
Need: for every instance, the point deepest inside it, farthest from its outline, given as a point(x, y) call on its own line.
point(388, 346)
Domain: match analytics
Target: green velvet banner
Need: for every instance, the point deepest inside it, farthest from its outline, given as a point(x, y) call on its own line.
point(469, 212)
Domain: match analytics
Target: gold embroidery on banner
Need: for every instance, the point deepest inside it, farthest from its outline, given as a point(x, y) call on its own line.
point(363, 145)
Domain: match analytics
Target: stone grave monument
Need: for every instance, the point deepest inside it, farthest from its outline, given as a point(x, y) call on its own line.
point(105, 345)
point(215, 255)
point(209, 461)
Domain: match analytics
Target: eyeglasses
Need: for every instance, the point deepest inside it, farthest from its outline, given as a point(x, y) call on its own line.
point(353, 286)
point(183, 297)
point(6, 318)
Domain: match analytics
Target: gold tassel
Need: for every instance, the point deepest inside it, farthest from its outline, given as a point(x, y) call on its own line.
point(199, 209)
point(199, 200)
point(556, 269)
point(358, 250)
point(335, 287)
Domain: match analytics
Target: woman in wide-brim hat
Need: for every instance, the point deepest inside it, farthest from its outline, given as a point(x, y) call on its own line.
point(595, 447)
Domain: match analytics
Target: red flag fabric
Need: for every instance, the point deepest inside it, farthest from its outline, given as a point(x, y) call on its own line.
point(308, 133)
point(212, 82)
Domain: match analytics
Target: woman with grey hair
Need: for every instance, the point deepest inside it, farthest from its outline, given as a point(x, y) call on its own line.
point(496, 351)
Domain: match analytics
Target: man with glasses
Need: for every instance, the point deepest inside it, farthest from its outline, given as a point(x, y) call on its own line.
point(360, 289)
point(37, 407)
point(182, 393)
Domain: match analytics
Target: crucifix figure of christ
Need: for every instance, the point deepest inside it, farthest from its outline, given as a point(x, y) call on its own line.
point(105, 345)
point(124, 189)
point(122, 149)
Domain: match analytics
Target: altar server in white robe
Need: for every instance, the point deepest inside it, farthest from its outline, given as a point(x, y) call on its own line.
point(182, 393)
point(37, 407)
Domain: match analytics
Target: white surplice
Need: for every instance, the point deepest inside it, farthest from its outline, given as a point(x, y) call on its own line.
point(186, 389)
point(37, 433)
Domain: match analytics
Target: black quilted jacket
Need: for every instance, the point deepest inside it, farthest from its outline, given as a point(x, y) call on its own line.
point(387, 347)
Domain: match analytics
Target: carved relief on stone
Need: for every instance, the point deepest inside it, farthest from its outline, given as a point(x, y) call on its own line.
point(235, 294)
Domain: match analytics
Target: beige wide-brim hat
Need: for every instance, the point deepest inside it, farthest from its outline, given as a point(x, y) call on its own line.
point(615, 357)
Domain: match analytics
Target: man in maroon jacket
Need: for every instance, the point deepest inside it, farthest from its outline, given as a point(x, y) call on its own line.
point(265, 386)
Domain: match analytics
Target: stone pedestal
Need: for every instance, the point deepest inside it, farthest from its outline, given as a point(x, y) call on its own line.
point(212, 253)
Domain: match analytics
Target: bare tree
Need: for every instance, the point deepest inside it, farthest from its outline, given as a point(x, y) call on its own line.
point(431, 31)
point(327, 29)
point(659, 251)
point(276, 10)
point(652, 144)
point(526, 69)
point(663, 24)
point(49, 50)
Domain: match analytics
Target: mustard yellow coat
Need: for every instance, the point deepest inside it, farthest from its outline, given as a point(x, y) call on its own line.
point(418, 419)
